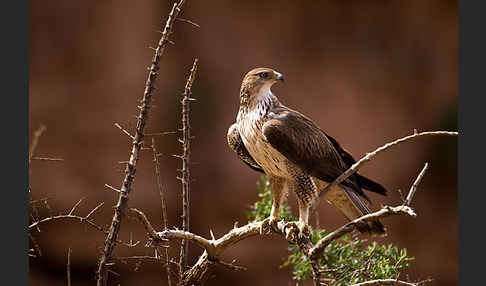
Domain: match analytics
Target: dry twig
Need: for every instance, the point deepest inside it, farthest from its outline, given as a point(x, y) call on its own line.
point(163, 203)
point(413, 189)
point(136, 146)
point(382, 282)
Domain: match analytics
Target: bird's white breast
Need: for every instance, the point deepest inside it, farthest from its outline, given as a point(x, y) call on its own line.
point(250, 127)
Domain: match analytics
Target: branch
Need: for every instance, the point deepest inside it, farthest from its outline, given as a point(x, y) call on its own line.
point(349, 227)
point(163, 203)
point(186, 146)
point(380, 282)
point(136, 146)
point(413, 189)
point(356, 166)
point(85, 219)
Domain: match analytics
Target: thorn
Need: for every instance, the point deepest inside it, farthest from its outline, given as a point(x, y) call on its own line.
point(415, 132)
point(75, 206)
point(212, 234)
point(112, 188)
point(189, 21)
point(235, 225)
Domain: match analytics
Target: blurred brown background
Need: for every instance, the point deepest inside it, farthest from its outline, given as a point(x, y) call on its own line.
point(366, 71)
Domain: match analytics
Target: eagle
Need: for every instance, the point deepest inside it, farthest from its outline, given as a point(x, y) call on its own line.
point(296, 155)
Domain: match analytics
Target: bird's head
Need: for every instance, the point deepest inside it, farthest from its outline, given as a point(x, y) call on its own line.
point(259, 79)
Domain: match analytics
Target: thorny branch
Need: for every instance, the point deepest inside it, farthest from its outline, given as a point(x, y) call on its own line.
point(186, 149)
point(213, 248)
point(71, 216)
point(136, 146)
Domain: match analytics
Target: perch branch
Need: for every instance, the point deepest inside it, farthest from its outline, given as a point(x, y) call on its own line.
point(356, 166)
point(186, 147)
point(136, 146)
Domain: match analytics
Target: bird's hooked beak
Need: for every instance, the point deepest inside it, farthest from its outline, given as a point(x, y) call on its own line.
point(279, 76)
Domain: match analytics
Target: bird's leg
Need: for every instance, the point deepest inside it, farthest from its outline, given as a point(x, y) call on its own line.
point(307, 196)
point(277, 185)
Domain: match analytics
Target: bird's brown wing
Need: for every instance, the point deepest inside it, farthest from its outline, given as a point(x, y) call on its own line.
point(306, 145)
point(236, 144)
point(348, 159)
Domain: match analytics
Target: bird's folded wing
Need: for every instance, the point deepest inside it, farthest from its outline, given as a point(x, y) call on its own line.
point(306, 145)
point(236, 144)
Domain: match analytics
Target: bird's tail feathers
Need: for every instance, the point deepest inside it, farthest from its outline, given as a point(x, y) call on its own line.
point(374, 227)
point(370, 185)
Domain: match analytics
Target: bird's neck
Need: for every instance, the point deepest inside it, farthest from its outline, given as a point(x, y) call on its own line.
point(262, 99)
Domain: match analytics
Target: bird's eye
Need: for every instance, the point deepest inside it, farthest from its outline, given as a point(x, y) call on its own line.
point(263, 74)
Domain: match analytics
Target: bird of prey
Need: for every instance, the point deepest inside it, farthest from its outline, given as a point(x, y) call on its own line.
point(295, 154)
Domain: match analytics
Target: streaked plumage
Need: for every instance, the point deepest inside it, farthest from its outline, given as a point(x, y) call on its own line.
point(295, 153)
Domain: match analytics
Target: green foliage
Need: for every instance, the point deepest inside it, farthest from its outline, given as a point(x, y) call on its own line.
point(345, 261)
point(261, 209)
point(349, 261)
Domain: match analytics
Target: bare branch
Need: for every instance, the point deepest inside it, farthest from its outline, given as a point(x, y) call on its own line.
point(231, 266)
point(380, 282)
point(124, 131)
point(75, 206)
point(160, 133)
point(47, 159)
point(349, 227)
point(163, 203)
point(148, 226)
point(94, 210)
point(186, 148)
point(112, 188)
point(356, 166)
point(189, 21)
point(413, 189)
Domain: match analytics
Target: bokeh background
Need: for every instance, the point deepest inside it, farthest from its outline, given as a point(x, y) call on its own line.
point(367, 72)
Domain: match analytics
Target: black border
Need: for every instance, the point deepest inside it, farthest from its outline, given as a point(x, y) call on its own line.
point(472, 193)
point(15, 77)
point(15, 137)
